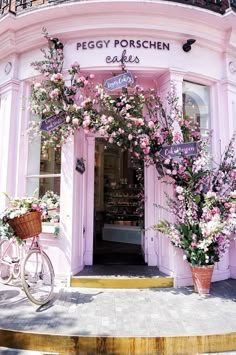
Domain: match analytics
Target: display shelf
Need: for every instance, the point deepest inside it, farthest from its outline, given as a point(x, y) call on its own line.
point(121, 204)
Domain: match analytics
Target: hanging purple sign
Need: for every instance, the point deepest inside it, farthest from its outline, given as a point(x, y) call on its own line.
point(52, 122)
point(176, 150)
point(119, 81)
point(80, 166)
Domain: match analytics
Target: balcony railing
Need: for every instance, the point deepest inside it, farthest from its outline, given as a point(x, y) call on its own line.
point(16, 6)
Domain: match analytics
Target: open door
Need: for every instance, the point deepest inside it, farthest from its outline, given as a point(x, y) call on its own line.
point(118, 206)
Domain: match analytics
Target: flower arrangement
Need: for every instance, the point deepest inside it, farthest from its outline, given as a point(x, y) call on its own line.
point(50, 200)
point(133, 118)
point(204, 206)
point(50, 203)
point(20, 206)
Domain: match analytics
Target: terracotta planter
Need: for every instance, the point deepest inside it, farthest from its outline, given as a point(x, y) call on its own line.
point(202, 278)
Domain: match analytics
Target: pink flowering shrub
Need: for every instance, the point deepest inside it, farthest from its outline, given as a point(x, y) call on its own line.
point(204, 206)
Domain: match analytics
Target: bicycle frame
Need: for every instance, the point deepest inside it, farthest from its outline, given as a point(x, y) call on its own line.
point(32, 264)
point(17, 256)
point(19, 252)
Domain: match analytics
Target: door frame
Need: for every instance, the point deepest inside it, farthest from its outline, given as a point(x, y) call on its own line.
point(148, 242)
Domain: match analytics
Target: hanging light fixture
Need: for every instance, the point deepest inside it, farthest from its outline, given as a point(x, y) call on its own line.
point(187, 46)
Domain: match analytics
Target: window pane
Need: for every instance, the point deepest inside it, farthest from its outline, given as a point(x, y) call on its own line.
point(196, 104)
point(40, 166)
point(33, 166)
point(50, 163)
point(49, 184)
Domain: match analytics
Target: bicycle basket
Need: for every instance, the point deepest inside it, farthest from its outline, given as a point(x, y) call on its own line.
point(27, 225)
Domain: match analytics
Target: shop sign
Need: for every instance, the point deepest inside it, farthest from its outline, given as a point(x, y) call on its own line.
point(119, 81)
point(175, 150)
point(52, 122)
point(128, 48)
point(80, 167)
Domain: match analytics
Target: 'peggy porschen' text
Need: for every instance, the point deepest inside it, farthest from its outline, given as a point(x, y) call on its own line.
point(123, 44)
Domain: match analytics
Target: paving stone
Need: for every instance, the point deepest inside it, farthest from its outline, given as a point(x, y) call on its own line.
point(123, 312)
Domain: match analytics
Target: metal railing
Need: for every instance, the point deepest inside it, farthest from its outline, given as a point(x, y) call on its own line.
point(16, 6)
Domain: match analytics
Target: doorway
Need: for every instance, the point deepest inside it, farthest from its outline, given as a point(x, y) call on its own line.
point(118, 206)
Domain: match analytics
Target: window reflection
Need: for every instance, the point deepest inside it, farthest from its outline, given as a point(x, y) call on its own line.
point(196, 104)
point(50, 163)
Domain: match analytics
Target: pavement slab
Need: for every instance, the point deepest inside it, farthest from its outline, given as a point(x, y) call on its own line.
point(123, 312)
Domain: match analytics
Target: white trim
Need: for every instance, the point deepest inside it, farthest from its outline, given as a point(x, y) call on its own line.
point(43, 176)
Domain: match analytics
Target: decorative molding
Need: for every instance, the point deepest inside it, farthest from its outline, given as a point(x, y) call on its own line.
point(8, 68)
point(10, 85)
point(232, 67)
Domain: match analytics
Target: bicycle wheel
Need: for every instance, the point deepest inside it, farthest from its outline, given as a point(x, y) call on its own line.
point(37, 277)
point(6, 255)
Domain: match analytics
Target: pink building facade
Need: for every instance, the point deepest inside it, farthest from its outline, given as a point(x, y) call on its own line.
point(150, 37)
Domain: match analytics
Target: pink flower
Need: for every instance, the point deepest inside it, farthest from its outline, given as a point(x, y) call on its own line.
point(176, 136)
point(179, 189)
point(54, 93)
point(146, 150)
point(75, 121)
point(141, 121)
point(37, 86)
point(233, 194)
point(104, 119)
point(75, 64)
point(56, 77)
point(151, 124)
point(160, 140)
point(86, 123)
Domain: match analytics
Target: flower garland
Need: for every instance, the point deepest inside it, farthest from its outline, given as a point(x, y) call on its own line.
point(134, 119)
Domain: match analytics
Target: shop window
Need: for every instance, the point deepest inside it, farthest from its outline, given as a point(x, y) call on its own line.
point(43, 170)
point(196, 104)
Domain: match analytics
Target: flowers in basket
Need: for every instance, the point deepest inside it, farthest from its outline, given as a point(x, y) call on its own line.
point(22, 218)
point(204, 206)
point(17, 218)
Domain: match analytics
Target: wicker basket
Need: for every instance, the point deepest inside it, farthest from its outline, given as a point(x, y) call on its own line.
point(27, 225)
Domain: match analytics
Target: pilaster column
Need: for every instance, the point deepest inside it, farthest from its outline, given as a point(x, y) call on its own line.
point(9, 127)
point(89, 205)
point(150, 244)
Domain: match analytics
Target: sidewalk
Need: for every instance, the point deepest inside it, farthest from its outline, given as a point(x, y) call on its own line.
point(123, 312)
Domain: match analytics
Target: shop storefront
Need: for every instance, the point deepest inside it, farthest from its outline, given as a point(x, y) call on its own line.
point(107, 197)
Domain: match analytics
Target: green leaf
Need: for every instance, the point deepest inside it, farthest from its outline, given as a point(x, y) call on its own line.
point(197, 199)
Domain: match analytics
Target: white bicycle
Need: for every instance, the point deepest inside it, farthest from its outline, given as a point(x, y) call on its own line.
point(32, 264)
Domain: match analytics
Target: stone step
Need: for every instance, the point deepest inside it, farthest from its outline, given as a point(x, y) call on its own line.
point(120, 282)
point(121, 276)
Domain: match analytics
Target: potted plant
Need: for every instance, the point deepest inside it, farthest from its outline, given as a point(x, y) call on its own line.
point(204, 206)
